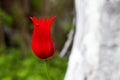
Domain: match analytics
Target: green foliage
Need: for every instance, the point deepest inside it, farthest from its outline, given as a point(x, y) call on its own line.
point(68, 26)
point(5, 18)
point(14, 67)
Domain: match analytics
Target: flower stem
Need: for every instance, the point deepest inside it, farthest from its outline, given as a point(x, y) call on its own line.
point(45, 64)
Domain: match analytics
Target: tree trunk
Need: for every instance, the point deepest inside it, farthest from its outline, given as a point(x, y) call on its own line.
point(109, 51)
point(96, 49)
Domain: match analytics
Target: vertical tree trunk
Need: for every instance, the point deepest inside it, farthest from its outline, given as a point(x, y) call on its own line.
point(109, 54)
point(96, 48)
point(84, 55)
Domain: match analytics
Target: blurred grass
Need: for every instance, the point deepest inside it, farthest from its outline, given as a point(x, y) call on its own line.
point(14, 67)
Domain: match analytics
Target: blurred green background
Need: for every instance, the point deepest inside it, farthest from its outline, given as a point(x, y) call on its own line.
point(17, 61)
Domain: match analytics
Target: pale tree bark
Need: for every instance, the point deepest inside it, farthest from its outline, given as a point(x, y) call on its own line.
point(109, 51)
point(96, 47)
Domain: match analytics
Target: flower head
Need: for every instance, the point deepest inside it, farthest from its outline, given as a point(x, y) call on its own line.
point(42, 44)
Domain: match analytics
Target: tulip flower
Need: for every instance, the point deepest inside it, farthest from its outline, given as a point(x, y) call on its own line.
point(42, 43)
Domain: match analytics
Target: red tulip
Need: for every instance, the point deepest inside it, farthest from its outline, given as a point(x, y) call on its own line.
point(42, 44)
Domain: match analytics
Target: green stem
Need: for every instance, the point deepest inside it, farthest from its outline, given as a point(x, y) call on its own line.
point(45, 64)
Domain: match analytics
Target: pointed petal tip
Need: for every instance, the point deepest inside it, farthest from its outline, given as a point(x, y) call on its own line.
point(44, 18)
point(32, 17)
point(34, 20)
point(53, 17)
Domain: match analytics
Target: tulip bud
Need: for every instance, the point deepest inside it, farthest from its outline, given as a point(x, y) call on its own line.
point(42, 43)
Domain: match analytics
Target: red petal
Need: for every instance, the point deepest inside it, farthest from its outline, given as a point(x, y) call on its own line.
point(43, 49)
point(42, 44)
point(44, 22)
point(35, 21)
point(51, 20)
